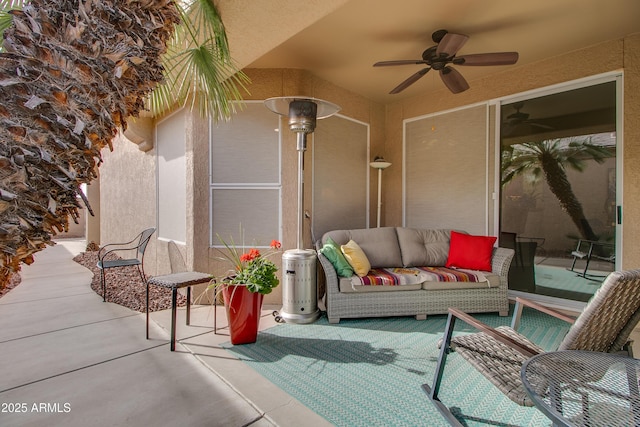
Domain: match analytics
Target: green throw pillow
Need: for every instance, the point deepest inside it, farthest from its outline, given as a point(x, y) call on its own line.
point(333, 253)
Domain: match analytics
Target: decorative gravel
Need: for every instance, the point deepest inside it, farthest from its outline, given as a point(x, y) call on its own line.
point(13, 282)
point(124, 286)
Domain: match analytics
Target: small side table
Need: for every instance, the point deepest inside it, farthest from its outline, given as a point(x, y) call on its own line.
point(582, 388)
point(174, 282)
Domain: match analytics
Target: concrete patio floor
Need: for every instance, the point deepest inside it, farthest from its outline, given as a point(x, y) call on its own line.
point(67, 358)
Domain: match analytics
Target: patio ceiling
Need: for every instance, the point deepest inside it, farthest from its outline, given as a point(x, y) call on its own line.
point(339, 40)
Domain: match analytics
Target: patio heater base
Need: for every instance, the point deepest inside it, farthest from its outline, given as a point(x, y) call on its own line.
point(299, 291)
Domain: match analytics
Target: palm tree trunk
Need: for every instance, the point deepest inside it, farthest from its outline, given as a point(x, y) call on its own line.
point(71, 74)
point(559, 184)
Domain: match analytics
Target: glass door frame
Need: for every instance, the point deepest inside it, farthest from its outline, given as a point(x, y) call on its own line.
point(616, 76)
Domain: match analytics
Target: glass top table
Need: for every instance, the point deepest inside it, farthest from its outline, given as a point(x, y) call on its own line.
point(582, 388)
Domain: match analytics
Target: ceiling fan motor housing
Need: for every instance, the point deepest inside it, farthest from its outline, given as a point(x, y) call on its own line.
point(438, 35)
point(438, 61)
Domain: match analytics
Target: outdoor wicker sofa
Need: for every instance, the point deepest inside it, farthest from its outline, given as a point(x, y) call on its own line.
point(402, 250)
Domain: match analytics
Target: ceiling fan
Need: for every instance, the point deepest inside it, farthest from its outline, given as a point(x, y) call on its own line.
point(519, 122)
point(439, 57)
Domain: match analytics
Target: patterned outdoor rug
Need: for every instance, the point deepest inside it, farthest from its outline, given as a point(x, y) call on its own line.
point(369, 372)
point(563, 279)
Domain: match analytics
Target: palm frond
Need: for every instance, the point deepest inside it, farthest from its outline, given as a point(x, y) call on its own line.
point(199, 70)
point(5, 17)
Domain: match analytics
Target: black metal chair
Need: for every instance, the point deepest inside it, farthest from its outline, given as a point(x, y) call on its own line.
point(603, 251)
point(136, 247)
point(179, 278)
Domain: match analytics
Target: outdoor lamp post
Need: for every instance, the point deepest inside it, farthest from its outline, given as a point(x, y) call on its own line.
point(300, 291)
point(380, 164)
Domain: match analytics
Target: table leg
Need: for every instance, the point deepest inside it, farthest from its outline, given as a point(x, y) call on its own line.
point(632, 380)
point(585, 409)
point(215, 313)
point(555, 395)
point(147, 297)
point(188, 305)
point(174, 300)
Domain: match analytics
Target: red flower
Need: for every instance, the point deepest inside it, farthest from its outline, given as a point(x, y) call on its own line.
point(275, 244)
point(253, 254)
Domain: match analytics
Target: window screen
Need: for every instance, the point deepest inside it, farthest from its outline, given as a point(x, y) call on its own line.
point(172, 187)
point(245, 177)
point(446, 170)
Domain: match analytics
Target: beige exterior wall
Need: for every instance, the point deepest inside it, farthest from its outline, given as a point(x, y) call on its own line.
point(128, 196)
point(631, 126)
point(611, 56)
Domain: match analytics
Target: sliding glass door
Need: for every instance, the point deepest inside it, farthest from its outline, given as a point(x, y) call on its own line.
point(559, 202)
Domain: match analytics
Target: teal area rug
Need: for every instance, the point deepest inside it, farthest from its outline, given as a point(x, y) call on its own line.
point(369, 372)
point(561, 280)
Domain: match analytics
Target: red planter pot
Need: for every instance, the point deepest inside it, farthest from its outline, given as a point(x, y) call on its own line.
point(243, 312)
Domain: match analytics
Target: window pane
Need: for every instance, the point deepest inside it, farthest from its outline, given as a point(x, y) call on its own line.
point(446, 170)
point(254, 212)
point(172, 187)
point(558, 197)
point(246, 149)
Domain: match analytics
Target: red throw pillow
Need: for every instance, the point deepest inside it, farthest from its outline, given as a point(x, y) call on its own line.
point(470, 252)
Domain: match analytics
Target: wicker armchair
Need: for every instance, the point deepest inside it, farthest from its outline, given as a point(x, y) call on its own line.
point(604, 325)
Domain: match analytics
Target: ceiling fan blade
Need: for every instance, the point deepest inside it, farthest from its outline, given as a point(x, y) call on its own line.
point(496, 58)
point(451, 44)
point(411, 80)
point(399, 62)
point(540, 126)
point(453, 80)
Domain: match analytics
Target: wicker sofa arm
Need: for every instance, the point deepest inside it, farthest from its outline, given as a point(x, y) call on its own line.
point(500, 263)
point(330, 274)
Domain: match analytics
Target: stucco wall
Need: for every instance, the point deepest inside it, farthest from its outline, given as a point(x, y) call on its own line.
point(631, 129)
point(128, 196)
point(612, 56)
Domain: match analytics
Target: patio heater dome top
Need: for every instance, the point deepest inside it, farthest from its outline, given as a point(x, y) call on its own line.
point(302, 111)
point(280, 105)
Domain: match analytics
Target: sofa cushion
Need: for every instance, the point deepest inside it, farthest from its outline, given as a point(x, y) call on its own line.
point(423, 247)
point(380, 245)
point(339, 236)
point(356, 284)
point(471, 252)
point(356, 258)
point(334, 254)
point(493, 281)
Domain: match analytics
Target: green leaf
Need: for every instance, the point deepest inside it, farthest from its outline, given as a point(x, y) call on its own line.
point(5, 17)
point(199, 70)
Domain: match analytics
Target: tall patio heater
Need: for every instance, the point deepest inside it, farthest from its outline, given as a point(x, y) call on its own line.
point(300, 289)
